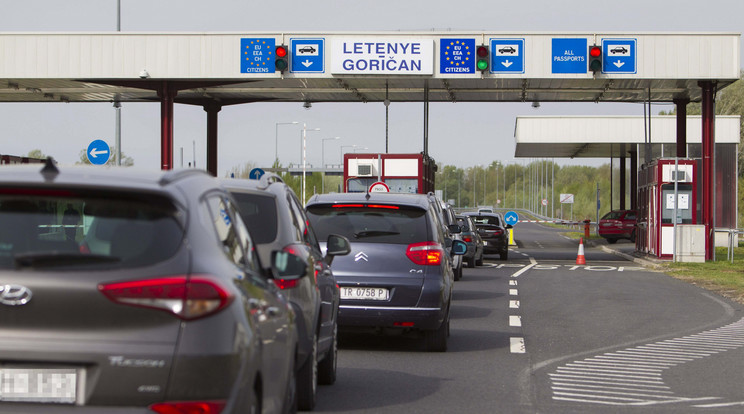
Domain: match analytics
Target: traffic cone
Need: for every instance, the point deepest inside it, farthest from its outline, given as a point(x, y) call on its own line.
point(580, 259)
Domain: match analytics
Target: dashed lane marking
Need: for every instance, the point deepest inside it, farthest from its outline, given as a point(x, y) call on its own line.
point(517, 345)
point(515, 320)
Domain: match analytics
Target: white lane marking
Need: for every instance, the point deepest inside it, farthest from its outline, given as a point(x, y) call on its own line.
point(606, 379)
point(512, 283)
point(730, 404)
point(517, 345)
point(513, 292)
point(515, 320)
point(524, 269)
point(513, 304)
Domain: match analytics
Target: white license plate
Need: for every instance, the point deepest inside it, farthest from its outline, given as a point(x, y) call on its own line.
point(364, 293)
point(485, 243)
point(47, 385)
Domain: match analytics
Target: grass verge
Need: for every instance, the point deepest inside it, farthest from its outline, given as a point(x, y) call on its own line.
point(720, 276)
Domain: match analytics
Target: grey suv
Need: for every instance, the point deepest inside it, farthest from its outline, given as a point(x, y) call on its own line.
point(398, 277)
point(277, 221)
point(127, 291)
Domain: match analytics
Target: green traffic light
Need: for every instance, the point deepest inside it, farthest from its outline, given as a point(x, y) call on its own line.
point(482, 64)
point(281, 64)
point(595, 65)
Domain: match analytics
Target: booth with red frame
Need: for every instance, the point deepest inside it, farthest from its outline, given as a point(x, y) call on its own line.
point(656, 204)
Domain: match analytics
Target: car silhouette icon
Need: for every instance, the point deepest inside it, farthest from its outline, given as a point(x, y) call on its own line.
point(618, 49)
point(306, 49)
point(508, 49)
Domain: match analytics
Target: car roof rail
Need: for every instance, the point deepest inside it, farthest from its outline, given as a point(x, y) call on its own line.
point(269, 178)
point(172, 176)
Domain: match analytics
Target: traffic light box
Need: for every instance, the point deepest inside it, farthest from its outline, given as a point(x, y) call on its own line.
point(595, 58)
point(482, 56)
point(281, 57)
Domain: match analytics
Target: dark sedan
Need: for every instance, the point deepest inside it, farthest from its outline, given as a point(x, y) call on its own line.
point(398, 277)
point(494, 233)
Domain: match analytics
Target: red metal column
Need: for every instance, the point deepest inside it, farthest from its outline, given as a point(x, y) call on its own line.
point(622, 182)
point(212, 110)
point(681, 127)
point(633, 180)
point(708, 141)
point(167, 94)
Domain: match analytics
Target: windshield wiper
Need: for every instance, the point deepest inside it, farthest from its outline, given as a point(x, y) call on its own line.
point(54, 259)
point(372, 233)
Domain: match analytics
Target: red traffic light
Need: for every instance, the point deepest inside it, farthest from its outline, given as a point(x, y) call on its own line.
point(280, 62)
point(595, 58)
point(595, 51)
point(482, 51)
point(281, 51)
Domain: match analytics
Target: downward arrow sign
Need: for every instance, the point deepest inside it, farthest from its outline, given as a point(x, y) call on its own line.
point(507, 63)
point(307, 63)
point(619, 64)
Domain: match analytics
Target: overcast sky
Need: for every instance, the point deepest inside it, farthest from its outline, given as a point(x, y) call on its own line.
point(247, 132)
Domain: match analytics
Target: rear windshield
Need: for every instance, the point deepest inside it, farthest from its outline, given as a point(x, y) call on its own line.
point(612, 215)
point(62, 229)
point(486, 220)
point(259, 214)
point(397, 225)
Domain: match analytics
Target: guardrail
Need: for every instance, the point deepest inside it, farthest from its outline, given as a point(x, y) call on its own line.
point(732, 233)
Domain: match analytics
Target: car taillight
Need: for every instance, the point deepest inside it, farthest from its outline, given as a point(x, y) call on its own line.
point(498, 232)
point(467, 239)
point(185, 297)
point(286, 283)
point(188, 407)
point(426, 253)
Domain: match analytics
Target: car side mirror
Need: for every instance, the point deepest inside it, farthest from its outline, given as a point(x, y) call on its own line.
point(285, 265)
point(459, 247)
point(336, 245)
point(454, 228)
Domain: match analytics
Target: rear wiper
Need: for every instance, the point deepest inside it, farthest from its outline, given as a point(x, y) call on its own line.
point(54, 259)
point(372, 233)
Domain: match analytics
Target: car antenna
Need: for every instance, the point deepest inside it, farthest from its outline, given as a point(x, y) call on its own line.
point(50, 171)
point(367, 195)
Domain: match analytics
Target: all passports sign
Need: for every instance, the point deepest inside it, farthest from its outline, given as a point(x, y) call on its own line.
point(387, 55)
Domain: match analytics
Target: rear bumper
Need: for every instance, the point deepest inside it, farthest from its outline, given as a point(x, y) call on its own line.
point(387, 317)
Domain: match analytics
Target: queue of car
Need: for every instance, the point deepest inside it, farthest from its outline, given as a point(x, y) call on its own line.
point(176, 292)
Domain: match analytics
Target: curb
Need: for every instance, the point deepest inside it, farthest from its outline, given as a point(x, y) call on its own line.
point(642, 262)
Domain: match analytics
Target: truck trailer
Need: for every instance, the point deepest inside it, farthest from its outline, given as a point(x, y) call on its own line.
point(401, 173)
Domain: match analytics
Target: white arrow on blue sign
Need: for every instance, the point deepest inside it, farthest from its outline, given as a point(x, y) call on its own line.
point(507, 55)
point(306, 55)
point(619, 56)
point(511, 217)
point(256, 173)
point(98, 152)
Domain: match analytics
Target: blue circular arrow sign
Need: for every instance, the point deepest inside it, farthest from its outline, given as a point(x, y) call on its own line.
point(511, 217)
point(98, 152)
point(256, 174)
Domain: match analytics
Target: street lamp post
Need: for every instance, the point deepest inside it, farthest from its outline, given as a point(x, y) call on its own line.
point(322, 162)
point(276, 139)
point(304, 157)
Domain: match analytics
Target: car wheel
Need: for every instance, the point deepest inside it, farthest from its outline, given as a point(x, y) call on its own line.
point(459, 272)
point(307, 380)
point(504, 255)
point(632, 236)
point(471, 262)
point(611, 241)
point(479, 262)
point(327, 367)
point(436, 340)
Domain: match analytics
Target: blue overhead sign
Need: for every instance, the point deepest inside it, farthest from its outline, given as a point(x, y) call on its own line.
point(619, 56)
point(98, 152)
point(457, 56)
point(257, 55)
point(569, 56)
point(511, 217)
point(307, 55)
point(507, 55)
